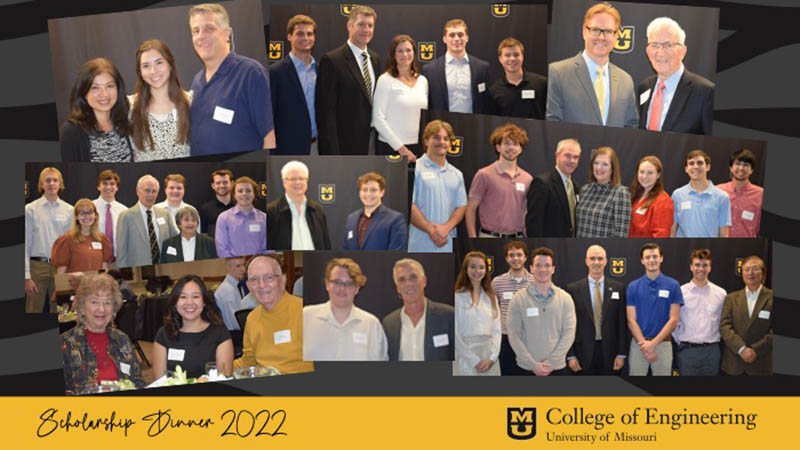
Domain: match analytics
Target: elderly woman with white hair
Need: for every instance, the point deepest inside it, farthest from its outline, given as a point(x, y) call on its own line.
point(94, 351)
point(295, 222)
point(189, 245)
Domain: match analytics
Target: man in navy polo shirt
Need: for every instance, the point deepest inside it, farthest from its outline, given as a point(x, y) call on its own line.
point(654, 302)
point(231, 110)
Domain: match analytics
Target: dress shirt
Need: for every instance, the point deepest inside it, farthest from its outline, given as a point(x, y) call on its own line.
point(248, 302)
point(156, 224)
point(301, 234)
point(188, 246)
point(44, 223)
point(592, 283)
point(745, 208)
point(357, 52)
point(438, 191)
point(752, 297)
point(505, 286)
point(698, 322)
point(476, 320)
point(227, 297)
point(459, 83)
point(174, 210)
point(240, 234)
point(412, 338)
point(502, 198)
point(701, 214)
point(359, 338)
point(308, 81)
point(653, 300)
point(210, 210)
point(593, 66)
point(116, 210)
point(396, 110)
point(670, 86)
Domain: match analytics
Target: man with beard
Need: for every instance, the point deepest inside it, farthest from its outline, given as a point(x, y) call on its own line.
point(505, 286)
point(745, 196)
point(500, 188)
point(222, 201)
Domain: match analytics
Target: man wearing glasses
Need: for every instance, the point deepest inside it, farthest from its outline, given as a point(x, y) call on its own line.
point(673, 99)
point(295, 222)
point(587, 88)
point(273, 334)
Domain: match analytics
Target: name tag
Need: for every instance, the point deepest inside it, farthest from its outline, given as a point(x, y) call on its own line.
point(97, 245)
point(359, 338)
point(663, 293)
point(223, 115)
point(282, 337)
point(532, 312)
point(171, 251)
point(428, 175)
point(644, 97)
point(763, 314)
point(176, 354)
point(577, 198)
point(520, 187)
point(481, 87)
point(686, 205)
point(440, 340)
point(161, 220)
point(507, 295)
point(125, 368)
point(641, 211)
point(615, 295)
point(710, 307)
point(748, 215)
point(61, 217)
point(255, 227)
point(350, 234)
point(528, 94)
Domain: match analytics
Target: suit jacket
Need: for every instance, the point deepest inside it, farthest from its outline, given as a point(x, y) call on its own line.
point(342, 103)
point(439, 319)
point(279, 225)
point(204, 248)
point(387, 230)
point(571, 97)
point(292, 119)
point(132, 239)
point(691, 109)
point(738, 328)
point(614, 332)
point(437, 85)
point(548, 207)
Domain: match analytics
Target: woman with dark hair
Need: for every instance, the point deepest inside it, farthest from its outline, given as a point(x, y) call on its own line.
point(400, 93)
point(97, 129)
point(653, 211)
point(477, 319)
point(193, 333)
point(83, 247)
point(159, 106)
point(604, 209)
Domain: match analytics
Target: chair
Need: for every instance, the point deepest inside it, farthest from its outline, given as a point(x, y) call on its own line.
point(128, 321)
point(241, 317)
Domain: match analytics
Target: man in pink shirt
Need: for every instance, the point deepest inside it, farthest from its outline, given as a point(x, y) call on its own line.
point(500, 189)
point(745, 196)
point(697, 333)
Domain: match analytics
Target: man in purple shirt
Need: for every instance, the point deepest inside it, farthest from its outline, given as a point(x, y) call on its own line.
point(745, 196)
point(242, 230)
point(500, 188)
point(697, 333)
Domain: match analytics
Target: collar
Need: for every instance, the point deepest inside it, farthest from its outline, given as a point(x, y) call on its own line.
point(357, 51)
point(239, 211)
point(374, 212)
point(330, 318)
point(562, 175)
point(448, 58)
point(757, 292)
point(189, 241)
point(426, 161)
point(707, 191)
point(143, 209)
point(226, 64)
point(593, 65)
point(671, 81)
point(539, 297)
point(500, 171)
point(290, 202)
point(657, 279)
point(299, 64)
point(592, 281)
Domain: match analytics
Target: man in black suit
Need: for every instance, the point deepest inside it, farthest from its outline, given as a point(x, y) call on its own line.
point(293, 82)
point(553, 196)
point(674, 99)
point(458, 82)
point(345, 86)
point(601, 336)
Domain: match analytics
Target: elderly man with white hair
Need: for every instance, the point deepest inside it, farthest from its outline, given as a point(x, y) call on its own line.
point(142, 228)
point(673, 99)
point(295, 222)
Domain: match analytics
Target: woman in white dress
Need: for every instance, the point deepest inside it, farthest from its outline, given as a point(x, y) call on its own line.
point(400, 94)
point(477, 319)
point(159, 106)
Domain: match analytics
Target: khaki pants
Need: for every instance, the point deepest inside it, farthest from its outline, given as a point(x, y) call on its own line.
point(43, 274)
point(638, 364)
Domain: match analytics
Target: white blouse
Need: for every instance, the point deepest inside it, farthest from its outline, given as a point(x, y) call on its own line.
point(475, 320)
point(396, 110)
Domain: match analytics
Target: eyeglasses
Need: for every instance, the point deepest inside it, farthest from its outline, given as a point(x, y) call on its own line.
point(663, 45)
point(296, 179)
point(751, 269)
point(86, 213)
point(342, 284)
point(268, 278)
point(597, 32)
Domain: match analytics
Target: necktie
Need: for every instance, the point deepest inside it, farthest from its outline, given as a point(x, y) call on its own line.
point(600, 91)
point(571, 200)
point(109, 227)
point(365, 73)
point(655, 107)
point(154, 253)
point(598, 308)
point(243, 289)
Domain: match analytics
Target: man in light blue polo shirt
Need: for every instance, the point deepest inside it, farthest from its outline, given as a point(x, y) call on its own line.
point(701, 209)
point(440, 198)
point(653, 306)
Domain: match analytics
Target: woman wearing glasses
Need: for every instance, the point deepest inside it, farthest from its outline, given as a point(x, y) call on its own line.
point(83, 247)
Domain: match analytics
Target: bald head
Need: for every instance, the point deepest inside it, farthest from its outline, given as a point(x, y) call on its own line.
point(596, 261)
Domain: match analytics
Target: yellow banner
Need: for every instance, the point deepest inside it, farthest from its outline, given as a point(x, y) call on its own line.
point(460, 422)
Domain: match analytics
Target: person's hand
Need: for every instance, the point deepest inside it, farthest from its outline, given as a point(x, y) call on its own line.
point(439, 235)
point(748, 355)
point(618, 363)
point(574, 365)
point(647, 346)
point(542, 369)
point(30, 288)
point(404, 151)
point(651, 357)
point(484, 365)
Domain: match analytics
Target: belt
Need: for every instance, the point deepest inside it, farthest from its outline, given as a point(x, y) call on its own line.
point(696, 344)
point(40, 258)
point(518, 234)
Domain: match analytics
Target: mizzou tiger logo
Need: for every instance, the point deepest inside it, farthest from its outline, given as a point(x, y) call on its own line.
point(26, 189)
point(275, 50)
point(426, 51)
point(500, 10)
point(738, 268)
point(394, 158)
point(618, 266)
point(327, 193)
point(262, 188)
point(624, 42)
point(489, 265)
point(345, 8)
point(456, 145)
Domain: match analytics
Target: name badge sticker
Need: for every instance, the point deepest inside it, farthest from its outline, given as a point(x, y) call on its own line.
point(171, 251)
point(176, 354)
point(615, 295)
point(125, 368)
point(61, 217)
point(507, 295)
point(350, 234)
point(748, 215)
point(686, 205)
point(644, 97)
point(481, 87)
point(440, 340)
point(160, 220)
point(641, 211)
point(359, 338)
point(428, 175)
point(97, 245)
point(763, 314)
point(532, 312)
point(663, 293)
point(528, 94)
point(223, 115)
point(255, 227)
point(282, 337)
point(520, 187)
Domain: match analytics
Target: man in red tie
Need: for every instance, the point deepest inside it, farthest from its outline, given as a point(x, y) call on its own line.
point(108, 208)
point(673, 99)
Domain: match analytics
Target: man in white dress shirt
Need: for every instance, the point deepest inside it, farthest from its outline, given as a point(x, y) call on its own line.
point(107, 205)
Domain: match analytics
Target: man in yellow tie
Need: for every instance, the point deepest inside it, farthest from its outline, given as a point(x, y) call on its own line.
point(587, 88)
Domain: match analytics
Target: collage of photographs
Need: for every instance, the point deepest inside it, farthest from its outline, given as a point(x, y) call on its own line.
point(238, 199)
